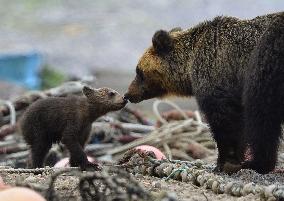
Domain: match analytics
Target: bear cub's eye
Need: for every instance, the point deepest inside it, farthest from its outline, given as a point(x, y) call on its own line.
point(111, 94)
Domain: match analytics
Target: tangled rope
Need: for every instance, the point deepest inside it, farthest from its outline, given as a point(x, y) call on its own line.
point(164, 121)
point(123, 186)
point(113, 183)
point(158, 114)
point(174, 105)
point(200, 174)
point(186, 140)
point(35, 171)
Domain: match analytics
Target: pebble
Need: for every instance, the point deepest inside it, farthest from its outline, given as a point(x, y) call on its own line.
point(30, 179)
point(139, 176)
point(157, 184)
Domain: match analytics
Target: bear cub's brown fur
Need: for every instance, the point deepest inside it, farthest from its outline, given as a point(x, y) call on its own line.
point(67, 120)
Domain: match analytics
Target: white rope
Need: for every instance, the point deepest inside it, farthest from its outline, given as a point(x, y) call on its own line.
point(11, 109)
point(174, 105)
point(158, 114)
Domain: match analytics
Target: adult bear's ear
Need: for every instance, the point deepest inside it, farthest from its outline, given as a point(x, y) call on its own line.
point(162, 42)
point(176, 29)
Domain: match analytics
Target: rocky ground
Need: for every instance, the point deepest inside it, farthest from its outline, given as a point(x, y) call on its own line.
point(66, 186)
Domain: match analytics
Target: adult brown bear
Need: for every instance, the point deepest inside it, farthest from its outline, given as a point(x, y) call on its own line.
point(237, 88)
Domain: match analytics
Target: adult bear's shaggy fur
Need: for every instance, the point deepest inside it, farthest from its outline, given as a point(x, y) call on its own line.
point(211, 62)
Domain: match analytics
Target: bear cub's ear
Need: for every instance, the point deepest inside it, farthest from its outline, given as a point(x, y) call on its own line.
point(162, 42)
point(87, 91)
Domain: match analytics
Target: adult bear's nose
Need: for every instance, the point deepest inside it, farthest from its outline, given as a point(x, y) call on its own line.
point(126, 96)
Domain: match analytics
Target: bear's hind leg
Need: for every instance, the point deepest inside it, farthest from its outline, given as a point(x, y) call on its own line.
point(264, 133)
point(263, 98)
point(263, 114)
point(263, 117)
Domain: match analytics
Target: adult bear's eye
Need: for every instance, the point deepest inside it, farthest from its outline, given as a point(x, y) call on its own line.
point(139, 73)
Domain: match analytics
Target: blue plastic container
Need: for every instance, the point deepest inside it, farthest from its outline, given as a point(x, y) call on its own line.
point(21, 68)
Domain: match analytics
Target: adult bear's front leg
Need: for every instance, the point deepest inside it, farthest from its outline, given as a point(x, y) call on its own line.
point(224, 116)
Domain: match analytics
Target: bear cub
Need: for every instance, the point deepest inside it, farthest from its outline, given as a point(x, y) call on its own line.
point(67, 120)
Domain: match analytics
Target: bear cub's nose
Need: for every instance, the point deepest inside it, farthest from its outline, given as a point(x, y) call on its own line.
point(126, 96)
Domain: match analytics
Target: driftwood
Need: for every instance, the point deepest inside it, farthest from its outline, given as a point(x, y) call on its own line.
point(13, 147)
point(129, 126)
point(7, 130)
point(18, 155)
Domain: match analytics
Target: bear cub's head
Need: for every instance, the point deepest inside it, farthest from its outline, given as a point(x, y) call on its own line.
point(154, 76)
point(105, 98)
